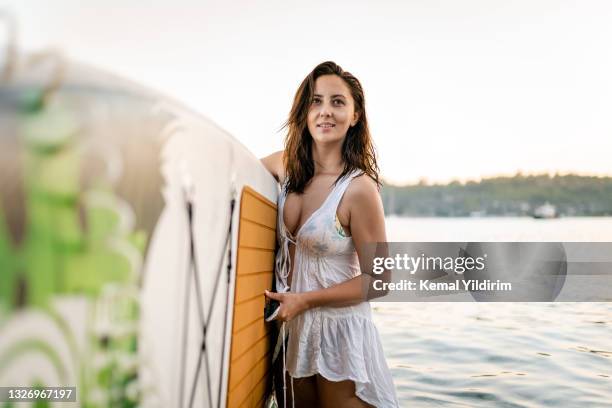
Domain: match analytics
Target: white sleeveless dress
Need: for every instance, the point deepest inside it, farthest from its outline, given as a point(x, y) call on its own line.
point(339, 343)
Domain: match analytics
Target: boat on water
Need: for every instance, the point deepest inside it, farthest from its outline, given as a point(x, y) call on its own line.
point(136, 241)
point(545, 211)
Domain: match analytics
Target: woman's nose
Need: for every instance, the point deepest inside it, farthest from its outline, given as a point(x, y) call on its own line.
point(325, 110)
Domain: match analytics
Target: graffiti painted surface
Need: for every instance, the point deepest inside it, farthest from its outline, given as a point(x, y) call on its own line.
point(80, 195)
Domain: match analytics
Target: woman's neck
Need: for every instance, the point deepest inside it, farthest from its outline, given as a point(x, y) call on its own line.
point(327, 160)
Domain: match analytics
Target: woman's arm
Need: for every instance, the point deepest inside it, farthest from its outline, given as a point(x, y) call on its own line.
point(367, 224)
point(274, 164)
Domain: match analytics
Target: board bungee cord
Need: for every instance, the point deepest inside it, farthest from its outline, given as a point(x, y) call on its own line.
point(188, 192)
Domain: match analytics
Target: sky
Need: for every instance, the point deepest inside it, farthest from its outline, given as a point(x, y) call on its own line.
point(455, 90)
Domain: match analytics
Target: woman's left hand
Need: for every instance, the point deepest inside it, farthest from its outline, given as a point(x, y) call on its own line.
point(291, 304)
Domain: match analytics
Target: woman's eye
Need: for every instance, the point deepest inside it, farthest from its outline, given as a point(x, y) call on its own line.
point(338, 102)
point(316, 101)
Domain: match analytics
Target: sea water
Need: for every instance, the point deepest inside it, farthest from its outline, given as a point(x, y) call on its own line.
point(498, 354)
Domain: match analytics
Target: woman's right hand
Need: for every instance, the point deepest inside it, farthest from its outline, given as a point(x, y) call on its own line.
point(291, 304)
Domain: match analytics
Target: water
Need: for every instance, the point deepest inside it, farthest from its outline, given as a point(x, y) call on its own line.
point(499, 354)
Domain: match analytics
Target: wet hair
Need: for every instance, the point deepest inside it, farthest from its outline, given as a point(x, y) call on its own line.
point(357, 150)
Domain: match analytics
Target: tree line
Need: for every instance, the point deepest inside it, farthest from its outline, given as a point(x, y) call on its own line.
point(519, 195)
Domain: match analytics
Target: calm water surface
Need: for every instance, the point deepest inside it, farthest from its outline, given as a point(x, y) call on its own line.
point(499, 354)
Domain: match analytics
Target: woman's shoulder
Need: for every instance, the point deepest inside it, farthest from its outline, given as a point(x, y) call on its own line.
point(274, 164)
point(362, 186)
point(362, 192)
point(365, 209)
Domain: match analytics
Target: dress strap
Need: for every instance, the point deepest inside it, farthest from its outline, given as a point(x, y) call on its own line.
point(340, 188)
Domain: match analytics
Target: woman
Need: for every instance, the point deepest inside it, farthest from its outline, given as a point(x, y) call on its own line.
point(329, 208)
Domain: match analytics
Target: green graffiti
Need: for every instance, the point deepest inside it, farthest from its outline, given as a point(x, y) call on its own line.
point(76, 241)
point(60, 254)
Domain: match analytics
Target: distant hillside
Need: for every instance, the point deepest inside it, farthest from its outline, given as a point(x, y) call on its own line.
point(572, 195)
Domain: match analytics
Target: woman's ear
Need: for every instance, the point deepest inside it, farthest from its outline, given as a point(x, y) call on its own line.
point(355, 119)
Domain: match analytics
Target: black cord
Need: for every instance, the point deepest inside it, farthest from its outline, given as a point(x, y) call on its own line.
point(203, 322)
point(194, 385)
point(185, 318)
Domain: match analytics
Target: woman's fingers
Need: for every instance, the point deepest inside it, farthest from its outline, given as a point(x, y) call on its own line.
point(274, 295)
point(291, 304)
point(281, 315)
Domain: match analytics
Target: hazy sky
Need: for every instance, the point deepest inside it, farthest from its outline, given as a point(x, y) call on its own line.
point(454, 89)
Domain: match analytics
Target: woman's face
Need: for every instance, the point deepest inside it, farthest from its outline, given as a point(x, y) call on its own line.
point(332, 110)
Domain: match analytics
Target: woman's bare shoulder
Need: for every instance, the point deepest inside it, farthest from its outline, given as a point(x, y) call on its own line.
point(274, 164)
point(363, 195)
point(366, 212)
point(363, 187)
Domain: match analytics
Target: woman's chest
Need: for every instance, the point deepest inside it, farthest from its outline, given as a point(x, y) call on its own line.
point(316, 199)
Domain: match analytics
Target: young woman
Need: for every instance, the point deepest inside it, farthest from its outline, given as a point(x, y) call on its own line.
point(329, 208)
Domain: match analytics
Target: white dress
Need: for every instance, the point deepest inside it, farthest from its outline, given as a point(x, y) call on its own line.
point(339, 343)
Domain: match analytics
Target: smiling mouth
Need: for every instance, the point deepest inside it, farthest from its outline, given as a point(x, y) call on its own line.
point(326, 125)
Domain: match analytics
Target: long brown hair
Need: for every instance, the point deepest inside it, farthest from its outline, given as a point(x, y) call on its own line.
point(357, 150)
